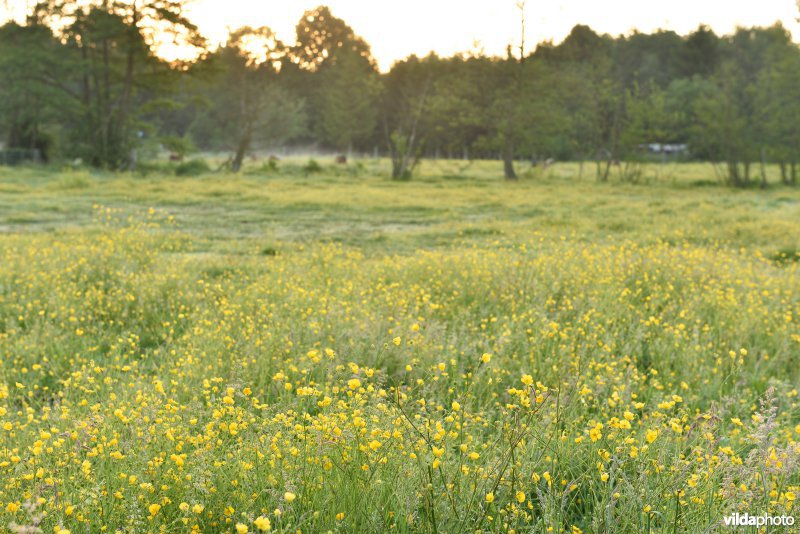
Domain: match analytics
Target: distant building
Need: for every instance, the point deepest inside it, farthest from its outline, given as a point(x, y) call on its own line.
point(666, 148)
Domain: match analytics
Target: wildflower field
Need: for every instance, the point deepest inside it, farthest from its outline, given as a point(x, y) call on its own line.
point(339, 352)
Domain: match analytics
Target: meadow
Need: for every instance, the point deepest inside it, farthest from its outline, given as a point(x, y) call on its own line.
point(333, 351)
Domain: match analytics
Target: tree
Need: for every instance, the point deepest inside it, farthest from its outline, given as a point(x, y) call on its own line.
point(31, 91)
point(115, 75)
point(722, 128)
point(527, 116)
point(507, 110)
point(313, 62)
point(320, 35)
point(587, 95)
point(247, 102)
point(778, 105)
point(405, 100)
point(731, 122)
point(700, 53)
point(642, 59)
point(606, 124)
point(680, 105)
point(649, 120)
point(510, 99)
point(460, 95)
point(348, 112)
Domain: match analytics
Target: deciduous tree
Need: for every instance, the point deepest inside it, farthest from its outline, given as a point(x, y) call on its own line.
point(248, 103)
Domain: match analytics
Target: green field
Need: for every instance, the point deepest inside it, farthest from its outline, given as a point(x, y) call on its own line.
point(336, 351)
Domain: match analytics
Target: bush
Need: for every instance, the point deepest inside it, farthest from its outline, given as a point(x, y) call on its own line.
point(193, 167)
point(312, 167)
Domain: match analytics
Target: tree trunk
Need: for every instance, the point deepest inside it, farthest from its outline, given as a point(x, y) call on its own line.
point(405, 162)
point(133, 159)
point(602, 173)
point(793, 173)
point(508, 160)
point(127, 88)
point(733, 173)
point(241, 150)
point(397, 165)
point(763, 168)
point(784, 175)
point(403, 148)
point(399, 153)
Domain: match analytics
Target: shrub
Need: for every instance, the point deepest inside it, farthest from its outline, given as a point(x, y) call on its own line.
point(312, 167)
point(193, 167)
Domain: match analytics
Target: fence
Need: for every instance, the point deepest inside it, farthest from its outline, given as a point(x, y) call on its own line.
point(17, 156)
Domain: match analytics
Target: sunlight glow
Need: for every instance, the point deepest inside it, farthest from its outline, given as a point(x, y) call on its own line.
point(398, 29)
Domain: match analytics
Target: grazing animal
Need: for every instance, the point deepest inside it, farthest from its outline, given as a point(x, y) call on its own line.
point(341, 159)
point(176, 157)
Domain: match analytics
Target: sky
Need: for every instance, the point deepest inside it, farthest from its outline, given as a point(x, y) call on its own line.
point(396, 29)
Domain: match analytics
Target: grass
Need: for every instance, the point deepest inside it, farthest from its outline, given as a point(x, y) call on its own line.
point(340, 352)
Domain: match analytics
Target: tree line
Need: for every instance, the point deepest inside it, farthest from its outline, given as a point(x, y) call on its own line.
point(85, 81)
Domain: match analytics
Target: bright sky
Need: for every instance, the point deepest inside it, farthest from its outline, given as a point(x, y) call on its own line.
point(398, 28)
